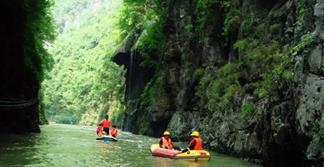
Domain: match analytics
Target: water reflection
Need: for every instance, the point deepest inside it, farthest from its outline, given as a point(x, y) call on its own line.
point(13, 145)
point(164, 162)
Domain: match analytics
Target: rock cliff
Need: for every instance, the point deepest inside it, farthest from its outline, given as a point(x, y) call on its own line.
point(25, 27)
point(248, 74)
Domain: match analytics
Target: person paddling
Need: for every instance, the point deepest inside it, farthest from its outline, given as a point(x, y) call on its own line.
point(195, 142)
point(106, 124)
point(114, 131)
point(99, 130)
point(166, 141)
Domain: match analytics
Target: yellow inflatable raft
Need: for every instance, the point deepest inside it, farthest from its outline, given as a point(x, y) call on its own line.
point(195, 155)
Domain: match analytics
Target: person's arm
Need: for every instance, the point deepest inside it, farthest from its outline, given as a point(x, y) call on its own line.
point(192, 145)
point(161, 144)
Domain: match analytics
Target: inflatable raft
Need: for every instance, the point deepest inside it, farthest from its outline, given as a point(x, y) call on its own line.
point(106, 138)
point(196, 155)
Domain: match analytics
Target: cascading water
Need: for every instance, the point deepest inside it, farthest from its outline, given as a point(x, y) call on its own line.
point(137, 77)
point(130, 74)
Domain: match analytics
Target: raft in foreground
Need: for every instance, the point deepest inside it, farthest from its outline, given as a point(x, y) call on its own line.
point(106, 138)
point(196, 155)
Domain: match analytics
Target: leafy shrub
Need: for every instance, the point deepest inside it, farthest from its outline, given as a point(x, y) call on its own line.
point(151, 42)
point(247, 108)
point(199, 73)
point(306, 40)
point(200, 90)
point(188, 27)
point(221, 90)
point(232, 19)
point(318, 132)
point(66, 119)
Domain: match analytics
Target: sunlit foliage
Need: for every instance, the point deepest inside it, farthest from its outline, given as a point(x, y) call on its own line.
point(84, 84)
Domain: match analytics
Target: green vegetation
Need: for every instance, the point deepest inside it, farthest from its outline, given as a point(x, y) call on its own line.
point(221, 90)
point(300, 16)
point(38, 59)
point(85, 84)
point(270, 62)
point(266, 62)
point(248, 108)
point(154, 94)
point(306, 40)
point(148, 17)
point(318, 131)
point(39, 31)
point(262, 64)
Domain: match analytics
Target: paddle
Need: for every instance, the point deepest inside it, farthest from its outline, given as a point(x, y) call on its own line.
point(186, 150)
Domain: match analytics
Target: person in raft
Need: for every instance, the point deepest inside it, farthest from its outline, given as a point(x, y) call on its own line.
point(114, 131)
point(166, 141)
point(99, 130)
point(106, 124)
point(195, 142)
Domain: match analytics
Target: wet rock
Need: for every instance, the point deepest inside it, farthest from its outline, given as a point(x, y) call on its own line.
point(315, 150)
point(316, 59)
point(312, 103)
point(182, 123)
point(319, 13)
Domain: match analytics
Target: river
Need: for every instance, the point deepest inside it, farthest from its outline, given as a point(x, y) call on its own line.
point(70, 146)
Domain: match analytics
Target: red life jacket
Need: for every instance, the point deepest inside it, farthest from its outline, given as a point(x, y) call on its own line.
point(106, 123)
point(99, 130)
point(114, 132)
point(199, 143)
point(167, 143)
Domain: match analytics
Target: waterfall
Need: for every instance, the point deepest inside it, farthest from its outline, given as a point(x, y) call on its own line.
point(130, 72)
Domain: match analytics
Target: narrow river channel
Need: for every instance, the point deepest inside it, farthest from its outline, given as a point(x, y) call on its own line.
point(69, 146)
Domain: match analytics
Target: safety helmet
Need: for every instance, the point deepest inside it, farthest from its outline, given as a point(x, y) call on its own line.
point(166, 133)
point(195, 133)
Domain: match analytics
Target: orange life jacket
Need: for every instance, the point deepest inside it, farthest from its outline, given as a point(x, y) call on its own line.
point(106, 123)
point(167, 143)
point(199, 143)
point(114, 132)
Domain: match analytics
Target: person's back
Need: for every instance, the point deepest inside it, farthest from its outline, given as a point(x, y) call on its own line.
point(114, 131)
point(195, 142)
point(106, 124)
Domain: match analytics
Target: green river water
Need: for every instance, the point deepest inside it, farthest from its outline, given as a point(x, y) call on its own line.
point(69, 146)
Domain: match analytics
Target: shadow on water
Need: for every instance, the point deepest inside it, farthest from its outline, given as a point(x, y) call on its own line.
point(65, 145)
point(18, 150)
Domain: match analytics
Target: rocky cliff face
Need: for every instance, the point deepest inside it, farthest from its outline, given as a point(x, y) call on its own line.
point(248, 74)
point(21, 65)
point(310, 107)
point(12, 74)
